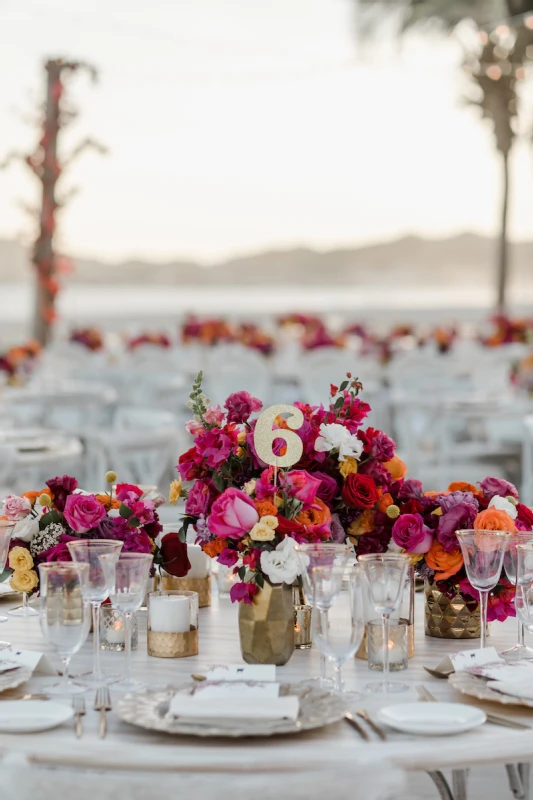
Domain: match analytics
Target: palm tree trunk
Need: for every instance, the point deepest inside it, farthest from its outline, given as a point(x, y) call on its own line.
point(503, 252)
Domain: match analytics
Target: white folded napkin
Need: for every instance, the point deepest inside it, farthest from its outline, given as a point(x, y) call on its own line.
point(521, 688)
point(191, 707)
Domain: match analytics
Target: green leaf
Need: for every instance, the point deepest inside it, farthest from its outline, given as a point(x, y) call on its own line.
point(134, 522)
point(45, 521)
point(124, 511)
point(343, 386)
point(241, 572)
point(339, 403)
point(260, 581)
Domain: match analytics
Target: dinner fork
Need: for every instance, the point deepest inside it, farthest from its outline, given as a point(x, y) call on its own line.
point(102, 703)
point(495, 719)
point(78, 704)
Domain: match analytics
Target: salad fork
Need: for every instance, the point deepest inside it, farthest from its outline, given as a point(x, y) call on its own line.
point(78, 704)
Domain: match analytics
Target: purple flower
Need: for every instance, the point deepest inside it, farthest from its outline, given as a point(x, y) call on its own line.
point(61, 488)
point(137, 542)
point(377, 444)
point(410, 533)
point(243, 592)
point(107, 528)
point(411, 489)
point(497, 486)
point(338, 534)
point(328, 488)
point(377, 471)
point(460, 516)
point(228, 557)
point(373, 543)
point(200, 499)
point(448, 501)
point(240, 406)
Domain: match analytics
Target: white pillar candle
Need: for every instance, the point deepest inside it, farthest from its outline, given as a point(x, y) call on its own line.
point(116, 633)
point(169, 614)
point(199, 561)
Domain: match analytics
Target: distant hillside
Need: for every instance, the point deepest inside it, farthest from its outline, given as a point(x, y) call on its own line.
point(467, 259)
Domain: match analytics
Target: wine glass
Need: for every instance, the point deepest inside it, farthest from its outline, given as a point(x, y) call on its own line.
point(6, 532)
point(326, 555)
point(483, 553)
point(339, 618)
point(520, 649)
point(524, 585)
point(95, 591)
point(386, 574)
point(127, 579)
point(65, 616)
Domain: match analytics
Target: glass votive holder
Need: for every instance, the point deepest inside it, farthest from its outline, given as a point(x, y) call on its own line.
point(303, 627)
point(172, 624)
point(226, 578)
point(113, 629)
point(397, 644)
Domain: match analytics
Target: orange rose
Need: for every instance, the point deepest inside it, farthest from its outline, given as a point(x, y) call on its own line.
point(265, 508)
point(384, 502)
point(104, 500)
point(462, 486)
point(492, 519)
point(32, 496)
point(431, 493)
point(396, 467)
point(315, 515)
point(445, 564)
point(363, 524)
point(215, 547)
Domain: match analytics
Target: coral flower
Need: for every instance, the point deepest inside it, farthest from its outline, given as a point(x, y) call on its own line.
point(493, 519)
point(396, 467)
point(445, 564)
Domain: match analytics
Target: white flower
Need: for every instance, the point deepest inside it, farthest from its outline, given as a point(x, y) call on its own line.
point(502, 504)
point(26, 529)
point(335, 436)
point(281, 565)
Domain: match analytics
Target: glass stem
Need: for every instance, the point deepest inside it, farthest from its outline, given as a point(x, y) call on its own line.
point(323, 669)
point(385, 631)
point(521, 634)
point(127, 648)
point(338, 676)
point(25, 602)
point(66, 667)
point(483, 604)
point(97, 670)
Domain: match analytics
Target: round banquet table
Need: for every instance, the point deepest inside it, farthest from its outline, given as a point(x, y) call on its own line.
point(127, 747)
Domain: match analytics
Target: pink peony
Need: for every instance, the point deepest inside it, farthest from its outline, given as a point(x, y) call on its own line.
point(214, 416)
point(240, 406)
point(497, 486)
point(128, 493)
point(300, 484)
point(16, 508)
point(216, 445)
point(83, 512)
point(143, 510)
point(243, 592)
point(410, 533)
point(233, 515)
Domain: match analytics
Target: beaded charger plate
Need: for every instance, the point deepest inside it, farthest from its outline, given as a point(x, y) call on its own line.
point(149, 709)
point(478, 687)
point(14, 678)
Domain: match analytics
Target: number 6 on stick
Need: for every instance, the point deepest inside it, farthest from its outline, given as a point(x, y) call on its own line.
point(265, 435)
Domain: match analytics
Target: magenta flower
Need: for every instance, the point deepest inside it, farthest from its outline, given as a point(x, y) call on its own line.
point(128, 493)
point(60, 551)
point(240, 406)
point(216, 445)
point(300, 484)
point(497, 486)
point(143, 510)
point(233, 515)
point(377, 471)
point(214, 416)
point(137, 542)
point(243, 593)
point(61, 488)
point(460, 516)
point(410, 490)
point(200, 498)
point(228, 558)
point(83, 512)
point(377, 444)
point(410, 533)
point(500, 602)
point(328, 489)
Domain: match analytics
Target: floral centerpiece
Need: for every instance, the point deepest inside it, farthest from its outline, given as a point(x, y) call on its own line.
point(156, 339)
point(47, 520)
point(17, 363)
point(90, 338)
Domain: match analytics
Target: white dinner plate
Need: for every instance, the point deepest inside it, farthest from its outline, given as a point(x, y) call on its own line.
point(432, 719)
point(31, 716)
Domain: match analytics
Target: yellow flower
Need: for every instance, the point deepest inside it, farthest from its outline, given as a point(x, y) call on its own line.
point(45, 500)
point(415, 558)
point(278, 501)
point(20, 558)
point(348, 466)
point(270, 521)
point(261, 532)
point(437, 512)
point(24, 580)
point(175, 491)
point(111, 476)
point(241, 437)
point(363, 524)
point(249, 487)
point(393, 512)
point(239, 452)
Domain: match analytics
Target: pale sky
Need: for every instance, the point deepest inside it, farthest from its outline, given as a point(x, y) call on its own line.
point(238, 125)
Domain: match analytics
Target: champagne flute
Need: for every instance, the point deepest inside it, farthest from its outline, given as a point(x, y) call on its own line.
point(95, 590)
point(127, 579)
point(520, 650)
point(386, 574)
point(483, 553)
point(65, 616)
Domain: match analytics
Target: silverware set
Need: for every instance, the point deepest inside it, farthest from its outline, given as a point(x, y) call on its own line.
point(352, 720)
point(495, 719)
point(102, 703)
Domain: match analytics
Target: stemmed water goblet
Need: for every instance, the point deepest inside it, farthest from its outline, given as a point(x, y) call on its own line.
point(325, 555)
point(524, 585)
point(386, 574)
point(127, 579)
point(65, 616)
point(483, 553)
point(339, 618)
point(96, 590)
point(520, 650)
point(6, 532)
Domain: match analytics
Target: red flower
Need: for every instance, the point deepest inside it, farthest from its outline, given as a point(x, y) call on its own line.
point(360, 491)
point(174, 555)
point(191, 465)
point(525, 514)
point(333, 390)
point(128, 492)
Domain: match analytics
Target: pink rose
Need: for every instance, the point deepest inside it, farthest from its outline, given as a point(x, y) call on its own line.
point(16, 508)
point(128, 493)
point(233, 515)
point(240, 406)
point(300, 484)
point(498, 486)
point(410, 533)
point(83, 512)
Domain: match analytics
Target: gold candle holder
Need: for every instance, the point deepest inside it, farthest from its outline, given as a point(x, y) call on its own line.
point(202, 586)
point(172, 624)
point(302, 627)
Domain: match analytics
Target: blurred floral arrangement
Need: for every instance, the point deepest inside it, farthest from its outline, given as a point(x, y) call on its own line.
point(90, 338)
point(211, 332)
point(18, 362)
point(507, 330)
point(150, 338)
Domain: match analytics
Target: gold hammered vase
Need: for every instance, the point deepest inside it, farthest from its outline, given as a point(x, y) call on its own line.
point(451, 618)
point(266, 626)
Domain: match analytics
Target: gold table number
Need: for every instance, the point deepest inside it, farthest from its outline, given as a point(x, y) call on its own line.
point(265, 435)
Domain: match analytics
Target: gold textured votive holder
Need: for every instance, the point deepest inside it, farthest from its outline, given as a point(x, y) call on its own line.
point(202, 586)
point(172, 624)
point(303, 627)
